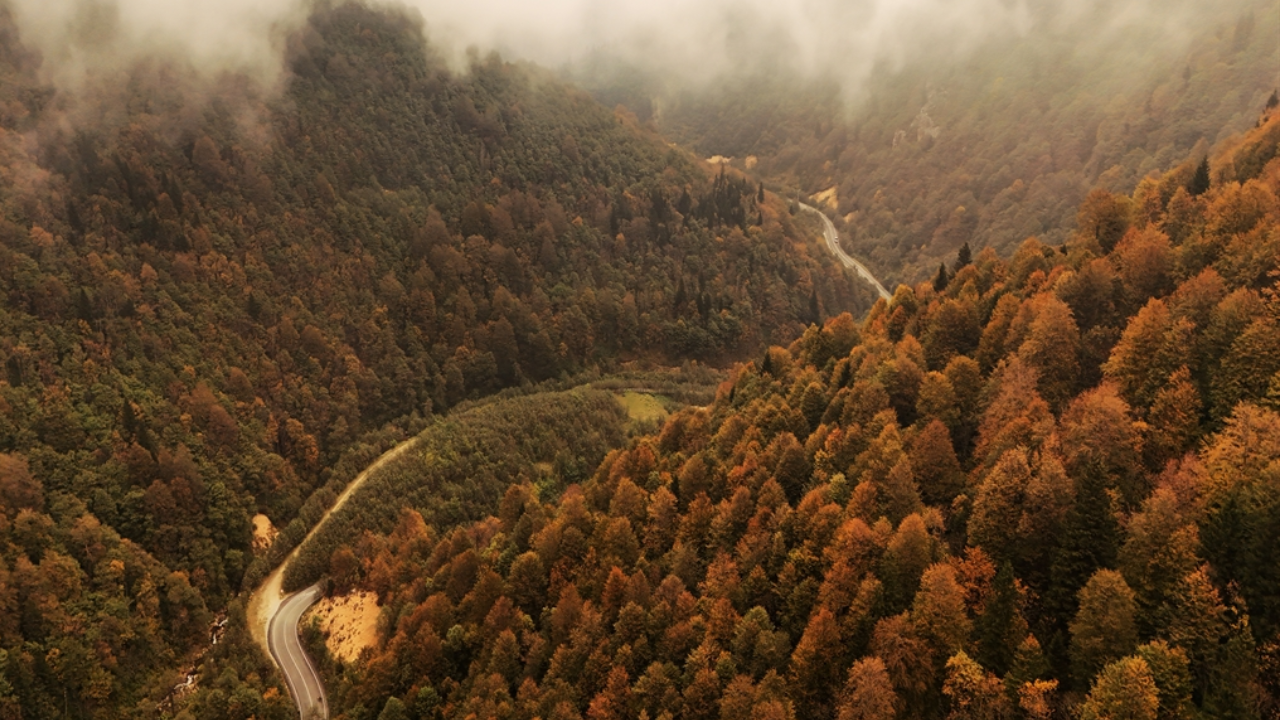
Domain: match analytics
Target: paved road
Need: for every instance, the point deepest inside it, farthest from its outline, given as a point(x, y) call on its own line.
point(270, 622)
point(286, 650)
point(833, 242)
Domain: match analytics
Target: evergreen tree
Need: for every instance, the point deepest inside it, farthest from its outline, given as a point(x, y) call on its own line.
point(1000, 628)
point(1199, 183)
point(1090, 540)
point(941, 279)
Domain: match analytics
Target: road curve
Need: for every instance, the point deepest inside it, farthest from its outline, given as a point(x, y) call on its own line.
point(286, 650)
point(833, 242)
point(268, 605)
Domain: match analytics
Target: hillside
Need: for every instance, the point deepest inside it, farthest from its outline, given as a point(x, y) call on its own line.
point(1040, 487)
point(218, 297)
point(998, 146)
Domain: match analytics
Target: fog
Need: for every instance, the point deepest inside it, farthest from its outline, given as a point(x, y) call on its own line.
point(686, 42)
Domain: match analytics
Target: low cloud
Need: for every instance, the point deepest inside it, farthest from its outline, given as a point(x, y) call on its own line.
point(686, 42)
point(82, 40)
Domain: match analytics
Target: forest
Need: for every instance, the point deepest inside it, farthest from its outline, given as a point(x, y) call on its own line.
point(219, 299)
point(990, 150)
point(1042, 481)
point(1039, 487)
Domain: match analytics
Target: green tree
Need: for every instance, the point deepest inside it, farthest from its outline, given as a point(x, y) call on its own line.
point(1124, 690)
point(1105, 628)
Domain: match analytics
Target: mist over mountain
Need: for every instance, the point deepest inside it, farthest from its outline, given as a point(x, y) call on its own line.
point(680, 44)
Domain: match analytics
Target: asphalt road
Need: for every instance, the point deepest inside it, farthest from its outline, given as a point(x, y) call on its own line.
point(274, 616)
point(833, 242)
point(286, 650)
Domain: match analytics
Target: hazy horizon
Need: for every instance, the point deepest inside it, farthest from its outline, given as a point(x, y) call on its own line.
point(686, 44)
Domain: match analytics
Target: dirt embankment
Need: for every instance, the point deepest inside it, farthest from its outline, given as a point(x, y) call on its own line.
point(349, 622)
point(264, 533)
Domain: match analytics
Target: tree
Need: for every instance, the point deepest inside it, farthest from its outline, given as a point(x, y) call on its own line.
point(1240, 525)
point(1145, 259)
point(952, 329)
point(813, 671)
point(1029, 664)
point(19, 490)
point(940, 279)
point(964, 256)
point(938, 611)
point(998, 505)
point(972, 692)
point(1174, 420)
point(393, 709)
point(1124, 690)
point(1000, 628)
point(1248, 367)
point(1199, 625)
point(1105, 627)
point(1199, 182)
point(1104, 217)
point(1035, 699)
point(937, 470)
point(910, 551)
point(1154, 345)
point(1017, 417)
point(1089, 541)
point(1158, 553)
point(868, 693)
point(1170, 670)
point(1052, 347)
point(1099, 437)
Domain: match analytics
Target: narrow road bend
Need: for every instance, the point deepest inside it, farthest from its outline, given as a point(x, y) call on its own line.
point(274, 616)
point(286, 650)
point(833, 242)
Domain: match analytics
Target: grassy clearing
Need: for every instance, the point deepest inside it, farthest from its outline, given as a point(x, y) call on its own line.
point(645, 407)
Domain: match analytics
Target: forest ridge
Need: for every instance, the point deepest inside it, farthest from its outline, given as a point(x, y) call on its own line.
point(1043, 484)
point(218, 300)
point(1032, 488)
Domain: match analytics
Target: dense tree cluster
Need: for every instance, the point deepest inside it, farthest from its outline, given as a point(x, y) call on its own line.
point(1049, 489)
point(214, 299)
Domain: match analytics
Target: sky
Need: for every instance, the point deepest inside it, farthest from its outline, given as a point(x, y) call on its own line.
point(689, 41)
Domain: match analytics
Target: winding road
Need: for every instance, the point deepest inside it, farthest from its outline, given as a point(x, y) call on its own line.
point(274, 616)
point(286, 650)
point(833, 242)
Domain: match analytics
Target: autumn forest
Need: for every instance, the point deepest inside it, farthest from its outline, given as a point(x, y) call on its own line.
point(1042, 481)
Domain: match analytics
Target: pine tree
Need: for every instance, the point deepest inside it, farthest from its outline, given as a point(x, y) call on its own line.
point(964, 257)
point(1199, 183)
point(941, 279)
point(1089, 541)
point(1000, 628)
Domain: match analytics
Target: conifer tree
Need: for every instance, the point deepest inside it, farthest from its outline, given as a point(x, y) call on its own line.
point(1199, 183)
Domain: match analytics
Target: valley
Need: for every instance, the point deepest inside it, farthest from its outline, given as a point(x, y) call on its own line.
point(440, 321)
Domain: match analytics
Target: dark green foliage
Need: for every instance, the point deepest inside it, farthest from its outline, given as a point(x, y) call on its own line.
point(1199, 182)
point(964, 257)
point(998, 628)
point(460, 466)
point(940, 279)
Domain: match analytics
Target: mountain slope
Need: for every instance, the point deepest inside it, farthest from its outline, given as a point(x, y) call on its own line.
point(219, 297)
point(1002, 144)
point(1038, 488)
